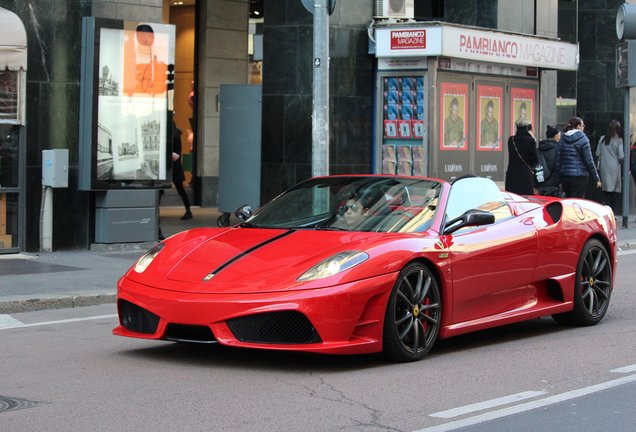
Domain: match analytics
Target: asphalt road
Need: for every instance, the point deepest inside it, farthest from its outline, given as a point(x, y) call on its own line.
point(64, 370)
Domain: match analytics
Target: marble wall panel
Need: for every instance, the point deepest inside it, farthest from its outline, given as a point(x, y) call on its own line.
point(272, 132)
point(298, 129)
point(280, 45)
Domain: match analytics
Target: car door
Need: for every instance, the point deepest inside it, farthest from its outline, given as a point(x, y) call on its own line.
point(492, 265)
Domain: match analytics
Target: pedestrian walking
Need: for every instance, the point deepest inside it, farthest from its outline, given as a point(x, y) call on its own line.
point(609, 152)
point(522, 157)
point(574, 161)
point(178, 175)
point(548, 150)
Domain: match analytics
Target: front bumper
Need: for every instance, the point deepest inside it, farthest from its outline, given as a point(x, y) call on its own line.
point(343, 319)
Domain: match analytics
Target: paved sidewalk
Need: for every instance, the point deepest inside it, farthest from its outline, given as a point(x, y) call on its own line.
point(80, 278)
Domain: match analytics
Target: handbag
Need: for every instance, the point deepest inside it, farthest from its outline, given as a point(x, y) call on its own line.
point(537, 170)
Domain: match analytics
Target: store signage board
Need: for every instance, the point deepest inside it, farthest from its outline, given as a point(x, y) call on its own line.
point(408, 42)
point(402, 63)
point(478, 45)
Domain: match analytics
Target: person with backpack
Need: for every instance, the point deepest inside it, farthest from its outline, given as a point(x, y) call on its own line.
point(547, 157)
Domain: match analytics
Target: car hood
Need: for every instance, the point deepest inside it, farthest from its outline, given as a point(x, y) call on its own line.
point(248, 260)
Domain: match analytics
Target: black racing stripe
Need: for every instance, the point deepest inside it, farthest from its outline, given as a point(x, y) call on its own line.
point(250, 250)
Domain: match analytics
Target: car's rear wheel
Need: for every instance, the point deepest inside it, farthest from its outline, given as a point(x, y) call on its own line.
point(413, 314)
point(593, 286)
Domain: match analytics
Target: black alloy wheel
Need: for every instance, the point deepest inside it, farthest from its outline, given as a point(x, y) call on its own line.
point(593, 286)
point(413, 314)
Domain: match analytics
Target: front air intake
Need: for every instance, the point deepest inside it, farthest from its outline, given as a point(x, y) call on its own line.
point(286, 327)
point(137, 319)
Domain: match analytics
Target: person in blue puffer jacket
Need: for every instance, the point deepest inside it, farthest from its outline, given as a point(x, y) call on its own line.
point(574, 161)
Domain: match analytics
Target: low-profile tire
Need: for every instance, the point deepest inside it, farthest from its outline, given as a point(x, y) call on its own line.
point(592, 287)
point(413, 314)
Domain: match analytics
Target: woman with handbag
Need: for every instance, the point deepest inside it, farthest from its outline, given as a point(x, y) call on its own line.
point(522, 158)
point(574, 160)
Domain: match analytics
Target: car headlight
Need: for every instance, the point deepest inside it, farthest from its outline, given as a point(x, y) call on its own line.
point(143, 262)
point(333, 265)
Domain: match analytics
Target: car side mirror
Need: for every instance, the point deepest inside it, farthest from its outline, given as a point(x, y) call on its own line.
point(469, 218)
point(243, 213)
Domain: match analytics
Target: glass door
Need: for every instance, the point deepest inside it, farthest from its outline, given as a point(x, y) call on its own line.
point(10, 156)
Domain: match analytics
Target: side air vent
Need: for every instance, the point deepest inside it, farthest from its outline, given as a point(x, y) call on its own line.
point(555, 210)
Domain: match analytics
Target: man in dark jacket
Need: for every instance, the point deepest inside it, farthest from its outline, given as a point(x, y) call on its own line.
point(575, 162)
point(548, 148)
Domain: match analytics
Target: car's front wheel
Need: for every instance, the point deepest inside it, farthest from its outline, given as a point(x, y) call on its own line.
point(592, 286)
point(413, 314)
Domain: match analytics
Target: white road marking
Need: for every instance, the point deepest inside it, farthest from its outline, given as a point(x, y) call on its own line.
point(19, 324)
point(7, 321)
point(505, 400)
point(550, 400)
point(625, 369)
point(626, 252)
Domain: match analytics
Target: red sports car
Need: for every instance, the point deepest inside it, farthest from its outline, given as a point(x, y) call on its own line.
point(360, 264)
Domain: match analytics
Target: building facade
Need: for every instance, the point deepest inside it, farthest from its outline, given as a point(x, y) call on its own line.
point(216, 40)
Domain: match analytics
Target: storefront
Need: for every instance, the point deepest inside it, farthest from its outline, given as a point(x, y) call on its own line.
point(448, 96)
point(13, 64)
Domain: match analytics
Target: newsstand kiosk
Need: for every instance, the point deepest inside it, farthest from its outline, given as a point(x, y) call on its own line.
point(448, 96)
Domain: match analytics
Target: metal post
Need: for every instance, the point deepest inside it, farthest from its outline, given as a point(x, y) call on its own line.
point(626, 161)
point(320, 115)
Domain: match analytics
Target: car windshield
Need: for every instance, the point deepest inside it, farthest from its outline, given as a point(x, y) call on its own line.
point(384, 204)
point(476, 193)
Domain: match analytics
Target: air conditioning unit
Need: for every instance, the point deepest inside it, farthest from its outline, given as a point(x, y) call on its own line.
point(402, 9)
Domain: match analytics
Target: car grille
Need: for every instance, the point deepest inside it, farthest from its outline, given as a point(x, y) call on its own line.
point(137, 319)
point(189, 333)
point(287, 327)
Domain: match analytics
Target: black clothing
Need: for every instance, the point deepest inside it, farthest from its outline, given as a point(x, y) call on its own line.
point(549, 149)
point(519, 175)
point(574, 187)
point(178, 175)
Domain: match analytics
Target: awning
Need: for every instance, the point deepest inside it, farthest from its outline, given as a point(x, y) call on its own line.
point(13, 41)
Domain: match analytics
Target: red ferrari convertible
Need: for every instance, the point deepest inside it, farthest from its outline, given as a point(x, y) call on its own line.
point(360, 264)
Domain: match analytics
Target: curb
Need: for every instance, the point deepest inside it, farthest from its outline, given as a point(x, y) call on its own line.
point(30, 305)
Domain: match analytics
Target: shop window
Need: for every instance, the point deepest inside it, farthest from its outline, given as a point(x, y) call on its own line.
point(403, 125)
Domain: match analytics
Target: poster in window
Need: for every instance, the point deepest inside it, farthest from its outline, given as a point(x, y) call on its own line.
point(453, 116)
point(389, 159)
point(403, 100)
point(132, 103)
point(404, 128)
point(489, 118)
point(522, 106)
point(418, 160)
